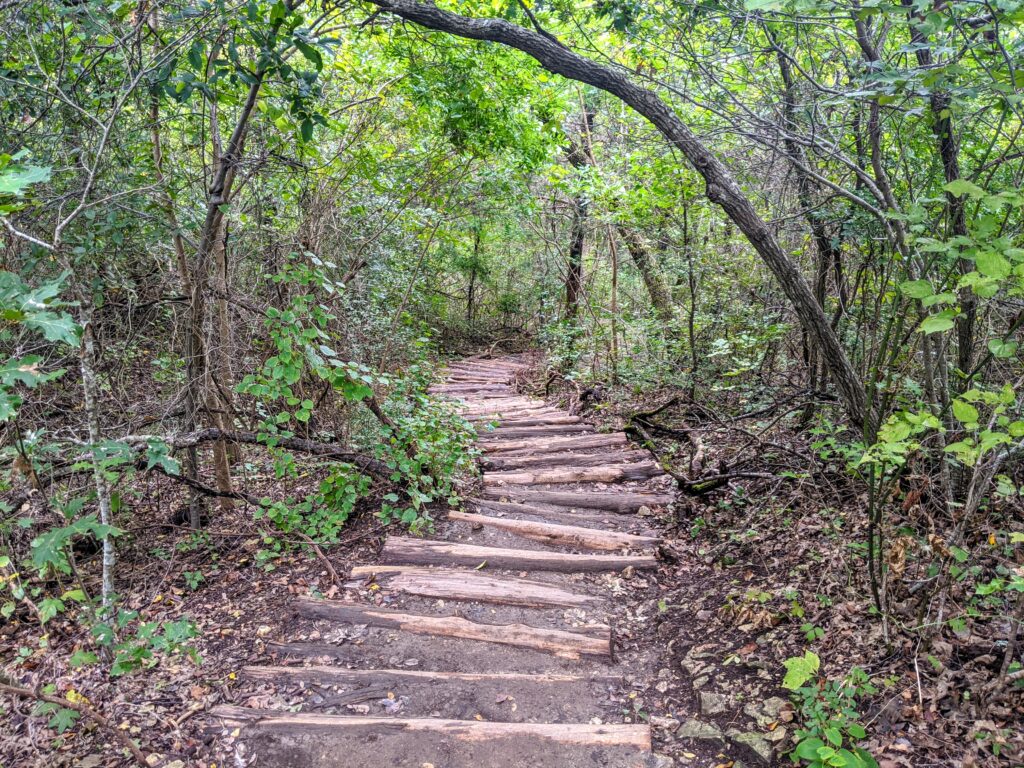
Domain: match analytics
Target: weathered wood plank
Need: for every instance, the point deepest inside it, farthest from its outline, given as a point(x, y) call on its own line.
point(579, 734)
point(539, 445)
point(609, 473)
point(410, 551)
point(559, 535)
point(328, 675)
point(618, 502)
point(591, 641)
point(502, 463)
point(451, 584)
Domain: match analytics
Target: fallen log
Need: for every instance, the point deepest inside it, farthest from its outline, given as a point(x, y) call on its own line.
point(556, 430)
point(326, 675)
point(409, 551)
point(608, 473)
point(470, 586)
point(590, 641)
point(502, 463)
point(522, 447)
point(574, 734)
point(618, 502)
point(559, 535)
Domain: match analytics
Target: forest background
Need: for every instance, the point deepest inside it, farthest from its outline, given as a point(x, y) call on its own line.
point(780, 240)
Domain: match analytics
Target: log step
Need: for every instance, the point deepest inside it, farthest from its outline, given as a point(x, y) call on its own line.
point(505, 433)
point(409, 551)
point(559, 535)
point(590, 641)
point(585, 734)
point(609, 473)
point(501, 696)
point(538, 445)
point(617, 502)
point(451, 584)
point(503, 464)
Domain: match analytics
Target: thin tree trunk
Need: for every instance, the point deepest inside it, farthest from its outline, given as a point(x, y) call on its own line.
point(88, 363)
point(654, 279)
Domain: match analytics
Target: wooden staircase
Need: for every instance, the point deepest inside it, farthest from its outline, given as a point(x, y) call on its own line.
point(489, 645)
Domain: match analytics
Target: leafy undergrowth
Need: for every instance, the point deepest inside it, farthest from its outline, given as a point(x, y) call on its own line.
point(777, 653)
point(223, 581)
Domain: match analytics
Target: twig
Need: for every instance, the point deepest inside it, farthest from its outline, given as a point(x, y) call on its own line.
point(84, 710)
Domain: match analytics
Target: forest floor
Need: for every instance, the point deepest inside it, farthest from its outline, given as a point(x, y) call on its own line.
point(746, 573)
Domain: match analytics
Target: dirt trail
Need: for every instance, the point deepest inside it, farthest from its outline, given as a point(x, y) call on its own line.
point(491, 643)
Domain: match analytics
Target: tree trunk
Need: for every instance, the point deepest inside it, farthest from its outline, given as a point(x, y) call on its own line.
point(650, 271)
point(721, 187)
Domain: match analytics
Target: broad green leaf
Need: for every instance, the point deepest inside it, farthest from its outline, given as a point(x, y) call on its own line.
point(15, 179)
point(965, 412)
point(943, 321)
point(800, 669)
point(992, 264)
point(1001, 348)
point(917, 289)
point(962, 187)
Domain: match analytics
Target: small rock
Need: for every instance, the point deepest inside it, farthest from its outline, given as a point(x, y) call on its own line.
point(661, 761)
point(661, 686)
point(696, 729)
point(755, 741)
point(699, 682)
point(644, 511)
point(669, 724)
point(628, 572)
point(778, 734)
point(713, 703)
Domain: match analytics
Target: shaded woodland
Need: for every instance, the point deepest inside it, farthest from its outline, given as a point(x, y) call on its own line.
point(777, 243)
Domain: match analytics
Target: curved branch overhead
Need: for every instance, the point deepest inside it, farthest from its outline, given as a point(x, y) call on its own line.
point(721, 186)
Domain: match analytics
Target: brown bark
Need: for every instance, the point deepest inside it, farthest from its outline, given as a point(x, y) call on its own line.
point(609, 473)
point(559, 535)
point(634, 736)
point(559, 642)
point(613, 502)
point(650, 272)
point(462, 585)
point(400, 550)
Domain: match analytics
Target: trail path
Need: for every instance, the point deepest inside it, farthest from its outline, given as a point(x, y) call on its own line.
point(490, 644)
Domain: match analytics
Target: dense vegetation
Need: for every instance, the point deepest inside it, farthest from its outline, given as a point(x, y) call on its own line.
point(240, 238)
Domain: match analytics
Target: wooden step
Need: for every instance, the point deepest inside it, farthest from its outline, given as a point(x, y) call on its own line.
point(609, 473)
point(503, 463)
point(617, 502)
point(539, 445)
point(589, 641)
point(541, 420)
point(468, 585)
point(637, 736)
point(409, 551)
point(550, 514)
point(558, 430)
point(559, 535)
point(327, 675)
point(491, 696)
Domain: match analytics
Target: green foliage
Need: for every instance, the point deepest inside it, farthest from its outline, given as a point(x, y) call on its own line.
point(830, 724)
point(27, 309)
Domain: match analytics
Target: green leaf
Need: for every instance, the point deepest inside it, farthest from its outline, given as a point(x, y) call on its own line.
point(942, 321)
point(917, 289)
point(82, 658)
point(799, 670)
point(965, 412)
point(1000, 348)
point(962, 187)
point(14, 179)
point(992, 264)
point(63, 719)
point(808, 749)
